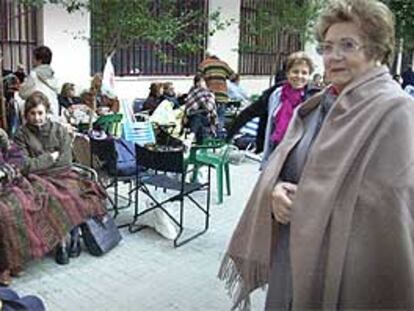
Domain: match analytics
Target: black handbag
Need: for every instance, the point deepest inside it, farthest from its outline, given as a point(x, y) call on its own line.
point(100, 234)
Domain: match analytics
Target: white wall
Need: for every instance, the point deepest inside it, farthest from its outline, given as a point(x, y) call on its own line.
point(71, 56)
point(224, 43)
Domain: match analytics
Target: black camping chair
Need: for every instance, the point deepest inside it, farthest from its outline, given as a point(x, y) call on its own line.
point(104, 159)
point(170, 174)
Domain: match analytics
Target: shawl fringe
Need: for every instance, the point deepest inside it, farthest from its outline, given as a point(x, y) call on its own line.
point(235, 285)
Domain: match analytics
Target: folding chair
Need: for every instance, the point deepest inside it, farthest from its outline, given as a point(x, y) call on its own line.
point(170, 162)
point(105, 160)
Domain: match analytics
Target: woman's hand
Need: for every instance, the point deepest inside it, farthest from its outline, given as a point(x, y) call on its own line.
point(55, 155)
point(282, 198)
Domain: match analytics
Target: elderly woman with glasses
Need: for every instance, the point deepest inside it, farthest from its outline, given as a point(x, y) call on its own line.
point(330, 222)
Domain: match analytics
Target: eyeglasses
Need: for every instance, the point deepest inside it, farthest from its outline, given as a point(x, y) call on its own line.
point(345, 46)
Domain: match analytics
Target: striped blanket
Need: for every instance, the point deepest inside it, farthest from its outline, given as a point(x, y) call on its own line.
point(38, 210)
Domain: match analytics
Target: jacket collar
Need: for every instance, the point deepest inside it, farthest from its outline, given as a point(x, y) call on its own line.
point(40, 130)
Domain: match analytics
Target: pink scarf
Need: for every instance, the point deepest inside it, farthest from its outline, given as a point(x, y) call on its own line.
point(290, 98)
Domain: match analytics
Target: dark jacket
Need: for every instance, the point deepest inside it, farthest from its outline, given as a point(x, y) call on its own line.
point(151, 103)
point(256, 109)
point(408, 78)
point(37, 145)
point(66, 102)
point(259, 109)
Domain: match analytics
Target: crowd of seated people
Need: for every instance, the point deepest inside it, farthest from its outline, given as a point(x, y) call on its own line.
point(195, 110)
point(92, 103)
point(42, 199)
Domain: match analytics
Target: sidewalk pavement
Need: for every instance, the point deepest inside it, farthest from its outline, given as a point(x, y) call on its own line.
point(145, 272)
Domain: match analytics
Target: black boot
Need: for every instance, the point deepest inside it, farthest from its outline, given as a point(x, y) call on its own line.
point(75, 246)
point(62, 256)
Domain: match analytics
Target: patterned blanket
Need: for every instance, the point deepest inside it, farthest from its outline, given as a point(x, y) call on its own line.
point(38, 210)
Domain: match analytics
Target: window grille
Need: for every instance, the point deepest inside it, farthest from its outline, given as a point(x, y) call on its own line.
point(18, 34)
point(144, 58)
point(260, 54)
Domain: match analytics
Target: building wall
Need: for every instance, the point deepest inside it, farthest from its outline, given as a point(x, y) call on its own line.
point(224, 44)
point(71, 59)
point(71, 55)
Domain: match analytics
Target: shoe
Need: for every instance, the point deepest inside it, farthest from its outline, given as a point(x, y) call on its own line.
point(62, 255)
point(75, 248)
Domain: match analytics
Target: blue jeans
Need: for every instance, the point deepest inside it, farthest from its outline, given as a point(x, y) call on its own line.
point(200, 126)
point(221, 110)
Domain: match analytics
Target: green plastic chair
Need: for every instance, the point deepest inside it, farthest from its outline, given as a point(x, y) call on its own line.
point(214, 153)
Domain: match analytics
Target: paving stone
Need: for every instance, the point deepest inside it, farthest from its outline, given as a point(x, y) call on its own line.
point(145, 272)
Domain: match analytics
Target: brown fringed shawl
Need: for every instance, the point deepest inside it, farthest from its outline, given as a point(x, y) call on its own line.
point(352, 229)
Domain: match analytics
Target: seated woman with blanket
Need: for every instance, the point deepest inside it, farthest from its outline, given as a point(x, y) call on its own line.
point(38, 209)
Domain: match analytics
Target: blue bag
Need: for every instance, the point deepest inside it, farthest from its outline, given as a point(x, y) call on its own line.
point(11, 301)
point(126, 161)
